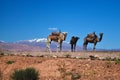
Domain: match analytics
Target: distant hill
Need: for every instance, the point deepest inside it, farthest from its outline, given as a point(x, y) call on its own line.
point(18, 47)
point(38, 44)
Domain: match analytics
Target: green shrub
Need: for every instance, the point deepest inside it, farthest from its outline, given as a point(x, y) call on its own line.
point(108, 58)
point(92, 57)
point(67, 56)
point(75, 76)
point(117, 61)
point(108, 64)
point(10, 62)
point(25, 74)
point(2, 53)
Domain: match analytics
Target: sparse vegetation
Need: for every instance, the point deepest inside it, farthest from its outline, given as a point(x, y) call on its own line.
point(75, 76)
point(108, 58)
point(92, 57)
point(108, 64)
point(117, 61)
point(2, 53)
point(62, 70)
point(56, 66)
point(67, 56)
point(10, 62)
point(25, 74)
point(71, 75)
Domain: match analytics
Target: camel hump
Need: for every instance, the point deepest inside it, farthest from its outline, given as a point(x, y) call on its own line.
point(73, 40)
point(92, 35)
point(55, 33)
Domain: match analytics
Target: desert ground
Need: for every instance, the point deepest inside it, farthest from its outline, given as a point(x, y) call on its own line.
point(64, 65)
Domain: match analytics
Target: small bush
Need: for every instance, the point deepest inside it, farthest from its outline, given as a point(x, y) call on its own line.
point(10, 62)
point(108, 64)
point(75, 76)
point(25, 74)
point(67, 56)
point(2, 53)
point(117, 61)
point(92, 57)
point(108, 58)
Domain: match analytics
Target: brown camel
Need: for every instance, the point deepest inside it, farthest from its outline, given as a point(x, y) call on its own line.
point(57, 37)
point(92, 38)
point(73, 42)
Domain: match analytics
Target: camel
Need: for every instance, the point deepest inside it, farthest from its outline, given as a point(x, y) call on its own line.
point(92, 38)
point(58, 37)
point(73, 42)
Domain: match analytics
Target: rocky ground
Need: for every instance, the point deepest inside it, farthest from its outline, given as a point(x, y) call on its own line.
point(65, 65)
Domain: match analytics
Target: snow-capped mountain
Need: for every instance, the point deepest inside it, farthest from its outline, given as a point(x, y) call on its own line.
point(37, 44)
point(33, 40)
point(41, 42)
point(38, 40)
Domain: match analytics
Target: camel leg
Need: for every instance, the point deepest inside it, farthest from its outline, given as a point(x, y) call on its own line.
point(85, 46)
point(71, 47)
point(48, 47)
point(94, 48)
point(74, 47)
point(59, 46)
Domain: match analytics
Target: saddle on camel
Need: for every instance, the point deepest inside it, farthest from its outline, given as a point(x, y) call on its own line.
point(92, 36)
point(55, 33)
point(54, 36)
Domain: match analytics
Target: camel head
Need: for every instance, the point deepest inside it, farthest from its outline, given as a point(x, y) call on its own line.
point(101, 35)
point(74, 40)
point(77, 38)
point(64, 35)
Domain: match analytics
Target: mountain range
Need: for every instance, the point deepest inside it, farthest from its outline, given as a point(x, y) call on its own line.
point(38, 44)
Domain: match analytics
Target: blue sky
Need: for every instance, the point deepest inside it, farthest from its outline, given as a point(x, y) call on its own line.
point(28, 19)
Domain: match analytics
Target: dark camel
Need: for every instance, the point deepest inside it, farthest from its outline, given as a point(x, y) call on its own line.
point(92, 38)
point(73, 42)
point(57, 37)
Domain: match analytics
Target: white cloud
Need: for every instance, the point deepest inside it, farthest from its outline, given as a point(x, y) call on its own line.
point(53, 28)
